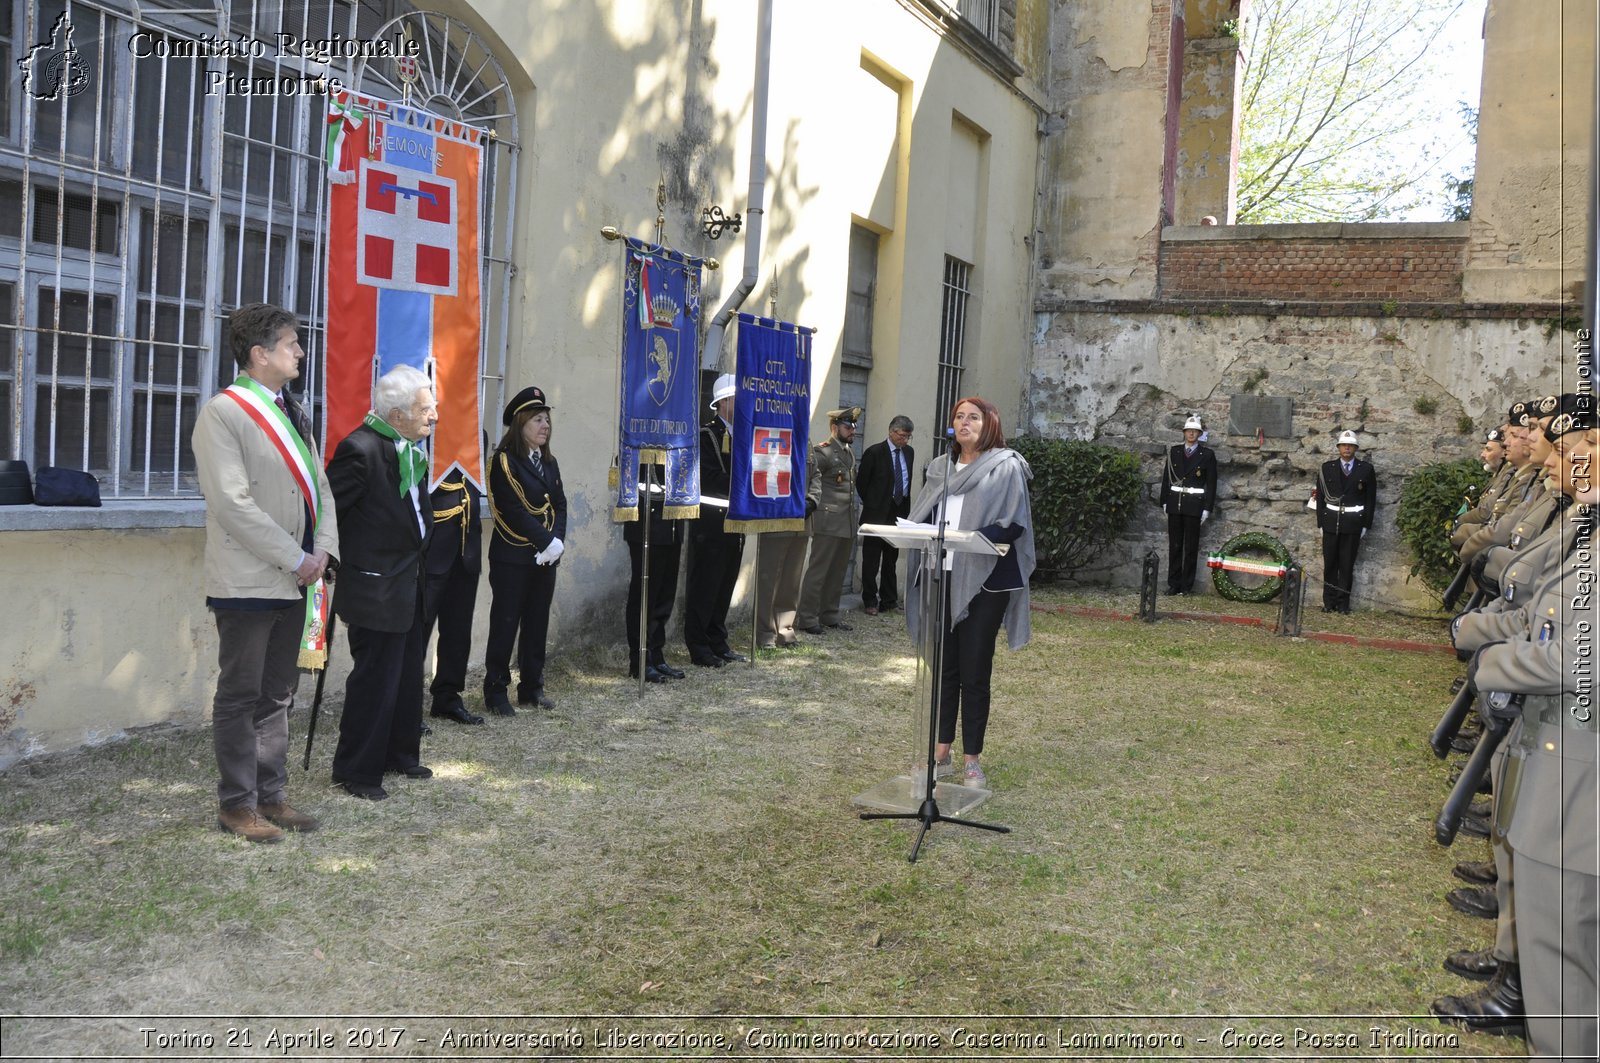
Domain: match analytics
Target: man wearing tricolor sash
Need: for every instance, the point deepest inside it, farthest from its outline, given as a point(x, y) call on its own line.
point(271, 532)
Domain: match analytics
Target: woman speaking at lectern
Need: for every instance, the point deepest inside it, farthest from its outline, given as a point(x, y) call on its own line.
point(987, 485)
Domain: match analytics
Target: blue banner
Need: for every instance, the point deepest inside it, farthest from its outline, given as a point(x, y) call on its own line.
point(660, 370)
point(771, 427)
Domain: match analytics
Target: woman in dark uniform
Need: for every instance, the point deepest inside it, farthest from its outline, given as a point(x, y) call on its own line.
point(530, 522)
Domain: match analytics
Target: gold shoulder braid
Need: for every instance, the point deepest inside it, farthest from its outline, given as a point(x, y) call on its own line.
point(444, 516)
point(546, 513)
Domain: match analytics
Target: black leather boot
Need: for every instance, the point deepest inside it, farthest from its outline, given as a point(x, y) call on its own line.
point(1479, 966)
point(495, 700)
point(1495, 1009)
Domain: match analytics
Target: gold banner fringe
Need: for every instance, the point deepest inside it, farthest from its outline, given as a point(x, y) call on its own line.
point(753, 527)
point(623, 514)
point(680, 512)
point(314, 660)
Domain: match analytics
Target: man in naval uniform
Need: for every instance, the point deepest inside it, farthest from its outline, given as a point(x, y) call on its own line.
point(714, 554)
point(1347, 495)
point(1188, 495)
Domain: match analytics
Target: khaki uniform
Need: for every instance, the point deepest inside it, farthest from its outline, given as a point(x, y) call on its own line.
point(1547, 798)
point(831, 484)
point(1483, 512)
point(1522, 489)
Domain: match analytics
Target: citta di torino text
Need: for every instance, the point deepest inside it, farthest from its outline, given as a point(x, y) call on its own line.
point(146, 45)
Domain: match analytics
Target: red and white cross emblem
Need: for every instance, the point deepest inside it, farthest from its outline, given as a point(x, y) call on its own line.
point(771, 452)
point(406, 229)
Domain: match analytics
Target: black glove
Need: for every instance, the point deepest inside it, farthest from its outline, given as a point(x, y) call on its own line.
point(1477, 659)
point(1497, 705)
point(811, 505)
point(1479, 564)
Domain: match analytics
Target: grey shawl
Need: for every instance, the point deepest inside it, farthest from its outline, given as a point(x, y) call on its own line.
point(996, 490)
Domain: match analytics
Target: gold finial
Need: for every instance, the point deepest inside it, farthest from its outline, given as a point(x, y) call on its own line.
point(611, 232)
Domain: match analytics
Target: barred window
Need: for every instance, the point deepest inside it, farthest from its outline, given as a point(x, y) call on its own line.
point(127, 236)
point(952, 338)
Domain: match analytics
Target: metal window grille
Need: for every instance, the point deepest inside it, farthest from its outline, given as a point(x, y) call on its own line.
point(982, 15)
point(141, 201)
point(952, 338)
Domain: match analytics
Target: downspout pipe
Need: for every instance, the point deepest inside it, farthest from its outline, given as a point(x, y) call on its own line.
point(755, 210)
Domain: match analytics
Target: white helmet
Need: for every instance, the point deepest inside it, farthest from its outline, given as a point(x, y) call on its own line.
point(723, 389)
point(1194, 423)
point(1348, 436)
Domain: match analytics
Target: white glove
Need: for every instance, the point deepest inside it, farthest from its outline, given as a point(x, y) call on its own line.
point(1205, 515)
point(1363, 533)
point(551, 554)
point(1163, 507)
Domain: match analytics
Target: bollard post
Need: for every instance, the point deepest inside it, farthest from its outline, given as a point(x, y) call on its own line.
point(1289, 603)
point(1147, 587)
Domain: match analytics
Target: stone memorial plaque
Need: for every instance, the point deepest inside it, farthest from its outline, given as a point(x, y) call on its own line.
point(1273, 416)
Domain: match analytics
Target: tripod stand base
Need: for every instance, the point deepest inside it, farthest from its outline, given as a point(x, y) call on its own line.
point(929, 814)
point(905, 793)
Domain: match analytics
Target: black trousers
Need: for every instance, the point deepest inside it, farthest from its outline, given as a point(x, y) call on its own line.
point(714, 558)
point(1183, 551)
point(449, 599)
point(878, 586)
point(520, 603)
point(381, 728)
point(965, 667)
point(663, 590)
point(1339, 568)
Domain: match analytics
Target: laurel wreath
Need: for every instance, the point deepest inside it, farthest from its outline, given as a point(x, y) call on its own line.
point(1239, 545)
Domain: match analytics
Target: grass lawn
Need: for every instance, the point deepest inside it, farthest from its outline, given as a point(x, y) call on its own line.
point(1208, 821)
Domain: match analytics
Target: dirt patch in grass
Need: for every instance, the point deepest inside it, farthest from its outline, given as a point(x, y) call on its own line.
point(1206, 820)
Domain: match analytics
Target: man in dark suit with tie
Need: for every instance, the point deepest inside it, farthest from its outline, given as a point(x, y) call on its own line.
point(1347, 495)
point(1188, 495)
point(884, 484)
point(379, 481)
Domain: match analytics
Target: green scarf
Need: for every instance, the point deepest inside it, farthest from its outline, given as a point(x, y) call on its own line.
point(413, 464)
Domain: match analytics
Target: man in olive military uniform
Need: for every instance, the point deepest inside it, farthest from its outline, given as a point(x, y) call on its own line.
point(1347, 495)
point(830, 511)
point(1548, 785)
point(1188, 495)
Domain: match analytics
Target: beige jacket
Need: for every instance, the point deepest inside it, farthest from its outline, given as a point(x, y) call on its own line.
point(255, 514)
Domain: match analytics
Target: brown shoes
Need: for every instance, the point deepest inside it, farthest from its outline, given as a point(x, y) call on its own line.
point(248, 825)
point(289, 818)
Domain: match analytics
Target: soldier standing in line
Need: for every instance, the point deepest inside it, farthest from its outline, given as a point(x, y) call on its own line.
point(1347, 495)
point(1188, 495)
point(830, 507)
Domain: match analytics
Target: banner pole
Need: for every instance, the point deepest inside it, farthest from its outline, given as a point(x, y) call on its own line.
point(755, 602)
point(644, 576)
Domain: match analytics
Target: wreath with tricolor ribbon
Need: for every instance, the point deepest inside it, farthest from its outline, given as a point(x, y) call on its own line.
point(1235, 557)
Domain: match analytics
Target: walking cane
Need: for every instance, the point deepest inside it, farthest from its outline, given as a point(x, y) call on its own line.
point(322, 679)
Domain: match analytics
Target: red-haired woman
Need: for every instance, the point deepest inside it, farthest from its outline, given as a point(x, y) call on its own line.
point(987, 487)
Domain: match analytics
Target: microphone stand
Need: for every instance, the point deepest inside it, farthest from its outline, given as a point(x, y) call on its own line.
point(928, 813)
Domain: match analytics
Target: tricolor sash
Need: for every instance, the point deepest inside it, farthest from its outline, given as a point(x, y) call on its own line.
point(261, 407)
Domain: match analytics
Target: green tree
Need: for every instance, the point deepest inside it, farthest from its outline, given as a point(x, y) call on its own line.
point(1328, 115)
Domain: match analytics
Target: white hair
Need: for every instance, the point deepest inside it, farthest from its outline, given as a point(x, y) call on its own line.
point(397, 390)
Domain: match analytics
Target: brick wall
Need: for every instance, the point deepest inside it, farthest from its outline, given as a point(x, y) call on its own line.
point(1327, 263)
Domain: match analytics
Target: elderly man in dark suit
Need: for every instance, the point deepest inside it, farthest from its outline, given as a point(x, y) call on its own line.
point(379, 480)
point(1347, 495)
point(883, 483)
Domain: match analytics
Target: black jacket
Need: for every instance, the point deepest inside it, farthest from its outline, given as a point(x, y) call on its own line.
point(380, 543)
point(1335, 490)
point(875, 483)
point(457, 526)
point(1189, 482)
point(530, 508)
point(716, 469)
